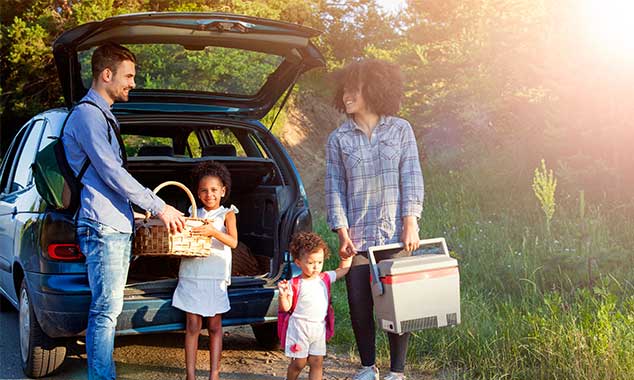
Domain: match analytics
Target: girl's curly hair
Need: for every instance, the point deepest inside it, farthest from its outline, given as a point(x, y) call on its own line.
point(380, 82)
point(304, 243)
point(213, 169)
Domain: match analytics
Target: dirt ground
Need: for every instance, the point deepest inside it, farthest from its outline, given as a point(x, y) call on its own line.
point(240, 359)
point(161, 357)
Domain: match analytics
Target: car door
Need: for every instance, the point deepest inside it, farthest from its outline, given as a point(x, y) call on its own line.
point(16, 182)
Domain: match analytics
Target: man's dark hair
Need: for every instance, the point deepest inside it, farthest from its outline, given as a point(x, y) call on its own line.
point(108, 56)
point(380, 82)
point(212, 169)
point(305, 243)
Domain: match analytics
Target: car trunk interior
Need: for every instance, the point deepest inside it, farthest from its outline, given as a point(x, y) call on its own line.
point(258, 193)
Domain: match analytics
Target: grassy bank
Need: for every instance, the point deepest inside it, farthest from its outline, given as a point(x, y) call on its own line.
point(537, 302)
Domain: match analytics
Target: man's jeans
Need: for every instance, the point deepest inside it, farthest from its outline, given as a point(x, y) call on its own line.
point(107, 254)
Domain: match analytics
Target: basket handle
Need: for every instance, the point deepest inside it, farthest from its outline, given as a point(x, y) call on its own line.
point(184, 188)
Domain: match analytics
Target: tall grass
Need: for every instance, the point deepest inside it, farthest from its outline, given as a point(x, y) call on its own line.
point(535, 305)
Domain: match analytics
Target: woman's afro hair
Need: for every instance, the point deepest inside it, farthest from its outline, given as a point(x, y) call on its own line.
point(380, 82)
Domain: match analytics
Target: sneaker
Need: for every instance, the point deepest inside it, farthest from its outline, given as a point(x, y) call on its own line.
point(367, 373)
point(394, 376)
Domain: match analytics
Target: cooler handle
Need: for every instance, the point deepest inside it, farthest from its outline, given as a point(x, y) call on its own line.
point(377, 286)
point(436, 241)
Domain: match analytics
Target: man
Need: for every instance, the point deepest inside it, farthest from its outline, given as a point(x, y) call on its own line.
point(105, 218)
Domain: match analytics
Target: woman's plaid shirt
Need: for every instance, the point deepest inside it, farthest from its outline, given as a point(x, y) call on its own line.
point(371, 184)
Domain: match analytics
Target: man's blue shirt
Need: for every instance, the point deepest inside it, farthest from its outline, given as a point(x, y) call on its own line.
point(108, 187)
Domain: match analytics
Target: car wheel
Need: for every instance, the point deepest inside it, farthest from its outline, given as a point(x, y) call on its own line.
point(266, 335)
point(40, 354)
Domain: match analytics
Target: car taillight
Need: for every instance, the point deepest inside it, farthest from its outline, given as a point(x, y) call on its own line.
point(65, 252)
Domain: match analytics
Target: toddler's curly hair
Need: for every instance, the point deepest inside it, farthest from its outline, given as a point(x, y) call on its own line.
point(212, 169)
point(304, 243)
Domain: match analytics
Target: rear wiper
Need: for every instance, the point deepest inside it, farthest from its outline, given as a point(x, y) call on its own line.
point(225, 26)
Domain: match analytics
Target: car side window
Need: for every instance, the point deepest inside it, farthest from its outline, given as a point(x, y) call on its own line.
point(9, 158)
point(226, 136)
point(193, 145)
point(259, 146)
point(49, 135)
point(22, 172)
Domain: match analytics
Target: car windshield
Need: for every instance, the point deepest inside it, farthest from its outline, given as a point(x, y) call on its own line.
point(210, 69)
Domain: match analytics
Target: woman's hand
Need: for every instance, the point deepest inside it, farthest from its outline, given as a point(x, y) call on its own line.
point(409, 237)
point(346, 248)
point(344, 267)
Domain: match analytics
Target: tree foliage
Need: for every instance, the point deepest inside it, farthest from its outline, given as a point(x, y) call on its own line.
point(516, 73)
point(524, 76)
point(29, 81)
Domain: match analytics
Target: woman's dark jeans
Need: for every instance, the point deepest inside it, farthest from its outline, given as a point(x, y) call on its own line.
point(362, 315)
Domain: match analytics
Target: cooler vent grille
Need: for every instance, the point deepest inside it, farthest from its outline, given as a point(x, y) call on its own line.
point(419, 324)
point(452, 319)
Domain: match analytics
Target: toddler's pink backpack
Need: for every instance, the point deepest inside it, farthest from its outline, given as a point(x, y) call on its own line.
point(284, 316)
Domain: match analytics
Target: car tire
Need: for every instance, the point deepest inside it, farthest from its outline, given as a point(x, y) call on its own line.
point(40, 354)
point(266, 335)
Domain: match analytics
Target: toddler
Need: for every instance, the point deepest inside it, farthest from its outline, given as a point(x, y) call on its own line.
point(306, 318)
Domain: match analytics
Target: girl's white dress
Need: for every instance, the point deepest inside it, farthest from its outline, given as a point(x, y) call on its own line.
point(203, 281)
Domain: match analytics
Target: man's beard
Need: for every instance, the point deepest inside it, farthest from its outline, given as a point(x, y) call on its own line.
point(121, 96)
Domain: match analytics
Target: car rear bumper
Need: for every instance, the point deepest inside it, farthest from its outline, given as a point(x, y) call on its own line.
point(61, 303)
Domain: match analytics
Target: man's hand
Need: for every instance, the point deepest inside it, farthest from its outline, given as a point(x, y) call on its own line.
point(346, 248)
point(172, 218)
point(409, 237)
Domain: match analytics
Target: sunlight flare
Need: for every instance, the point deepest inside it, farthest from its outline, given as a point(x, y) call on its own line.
point(609, 25)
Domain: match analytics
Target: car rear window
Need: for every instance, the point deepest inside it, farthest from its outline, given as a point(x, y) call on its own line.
point(136, 145)
point(217, 141)
point(211, 69)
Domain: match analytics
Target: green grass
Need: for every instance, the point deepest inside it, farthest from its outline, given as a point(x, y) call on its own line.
point(536, 304)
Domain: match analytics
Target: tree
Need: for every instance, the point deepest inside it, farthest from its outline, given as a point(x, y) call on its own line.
point(28, 80)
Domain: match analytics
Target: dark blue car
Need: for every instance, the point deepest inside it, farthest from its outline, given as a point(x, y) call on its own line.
point(204, 81)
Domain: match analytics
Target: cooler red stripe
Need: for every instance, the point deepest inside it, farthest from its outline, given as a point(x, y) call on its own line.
point(407, 277)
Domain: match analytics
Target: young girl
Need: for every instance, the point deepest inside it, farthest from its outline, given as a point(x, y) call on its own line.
point(202, 282)
point(374, 192)
point(306, 333)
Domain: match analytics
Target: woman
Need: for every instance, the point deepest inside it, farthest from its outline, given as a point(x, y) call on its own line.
point(374, 192)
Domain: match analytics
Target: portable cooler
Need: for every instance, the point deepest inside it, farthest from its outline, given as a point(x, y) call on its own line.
point(416, 292)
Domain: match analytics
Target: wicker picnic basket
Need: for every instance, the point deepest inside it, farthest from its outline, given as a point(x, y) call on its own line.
point(152, 239)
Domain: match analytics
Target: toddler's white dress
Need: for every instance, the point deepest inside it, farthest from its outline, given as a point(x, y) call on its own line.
point(203, 281)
